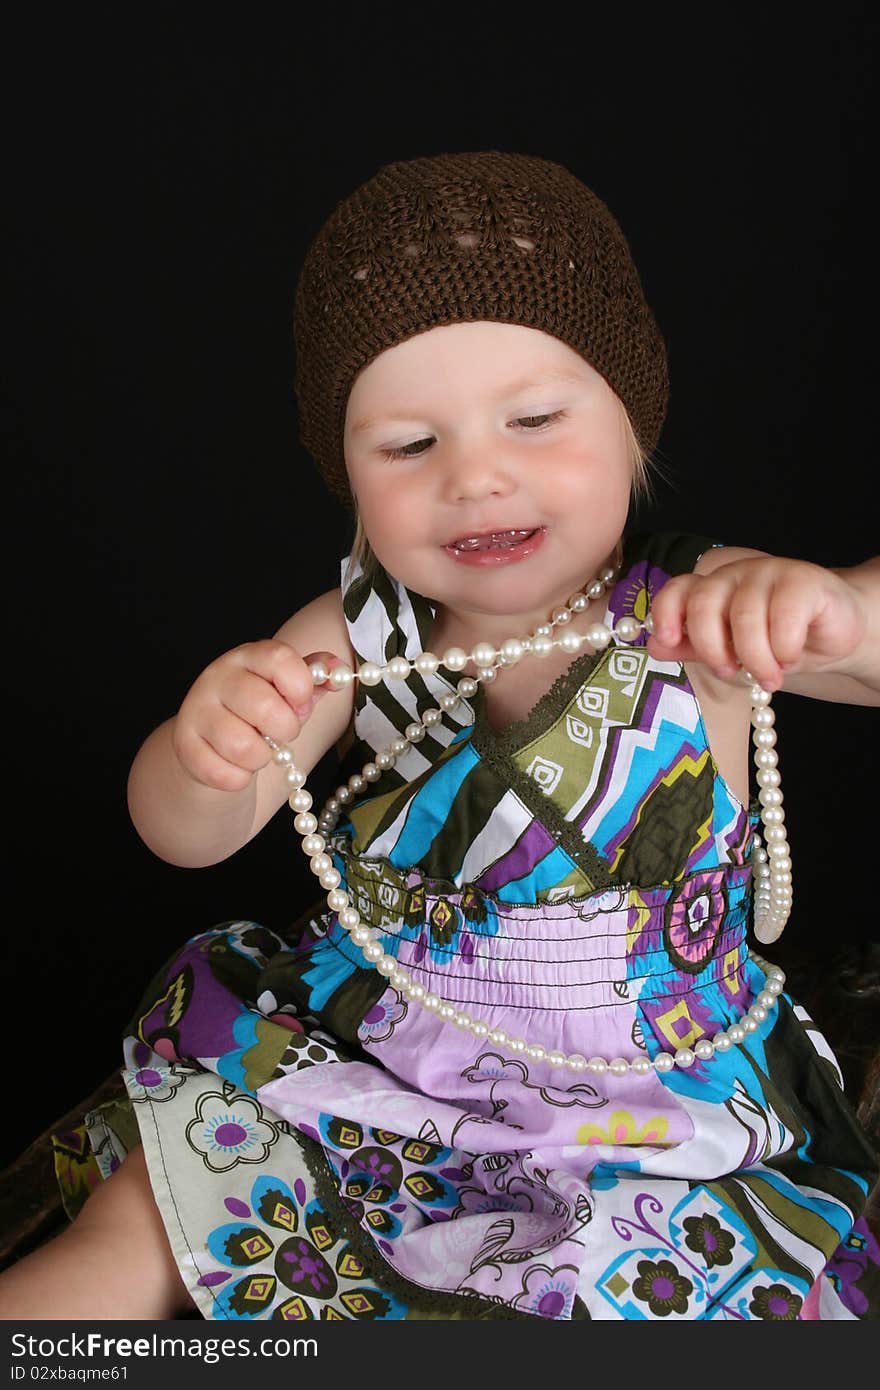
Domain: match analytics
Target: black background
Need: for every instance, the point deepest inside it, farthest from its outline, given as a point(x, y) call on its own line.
point(164, 173)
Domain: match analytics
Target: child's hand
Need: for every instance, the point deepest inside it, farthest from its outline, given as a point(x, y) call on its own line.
point(770, 614)
point(259, 688)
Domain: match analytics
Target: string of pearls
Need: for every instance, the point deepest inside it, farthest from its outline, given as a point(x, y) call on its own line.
point(771, 859)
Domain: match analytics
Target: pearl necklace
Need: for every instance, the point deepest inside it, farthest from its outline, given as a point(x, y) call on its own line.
point(772, 865)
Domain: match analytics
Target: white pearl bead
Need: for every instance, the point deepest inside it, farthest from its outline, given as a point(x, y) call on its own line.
point(479, 1029)
point(361, 936)
point(431, 1002)
point(449, 702)
point(318, 672)
point(357, 783)
point(313, 844)
point(350, 918)
point(414, 732)
point(766, 758)
point(400, 979)
point(764, 738)
point(486, 674)
point(294, 777)
point(763, 718)
point(461, 1019)
point(497, 1036)
point(369, 673)
point(758, 696)
point(598, 636)
point(467, 687)
point(337, 900)
point(305, 823)
point(344, 795)
point(773, 987)
point(399, 746)
point(684, 1057)
point(512, 650)
point(399, 668)
point(597, 1065)
point(664, 1061)
point(535, 1052)
point(576, 1062)
point(570, 641)
point(385, 760)
point(596, 589)
point(330, 878)
point(560, 616)
point(628, 629)
point(371, 772)
point(341, 676)
point(432, 717)
point(374, 951)
point(516, 1045)
point(618, 1066)
point(544, 630)
point(333, 806)
point(320, 862)
point(386, 965)
point(578, 602)
point(282, 756)
point(299, 800)
point(767, 777)
point(722, 1042)
point(736, 1033)
point(606, 576)
point(758, 1012)
point(749, 1024)
point(704, 1049)
point(770, 796)
point(542, 646)
point(426, 663)
point(454, 659)
point(641, 1066)
point(556, 1059)
point(446, 1012)
point(415, 991)
point(483, 654)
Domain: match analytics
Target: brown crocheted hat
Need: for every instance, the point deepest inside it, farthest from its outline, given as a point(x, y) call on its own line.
point(455, 238)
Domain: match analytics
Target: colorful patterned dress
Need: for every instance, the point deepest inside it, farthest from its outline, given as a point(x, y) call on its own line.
point(321, 1148)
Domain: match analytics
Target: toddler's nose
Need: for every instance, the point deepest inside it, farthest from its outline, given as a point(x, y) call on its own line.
point(473, 474)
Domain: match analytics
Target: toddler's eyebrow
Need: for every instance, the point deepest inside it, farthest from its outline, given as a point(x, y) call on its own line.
point(524, 384)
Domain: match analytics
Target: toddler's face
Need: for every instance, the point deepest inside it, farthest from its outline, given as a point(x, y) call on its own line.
point(476, 427)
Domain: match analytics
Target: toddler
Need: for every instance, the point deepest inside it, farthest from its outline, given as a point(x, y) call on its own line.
point(522, 1057)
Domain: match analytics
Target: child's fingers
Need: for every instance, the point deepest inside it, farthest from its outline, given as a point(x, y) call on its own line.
point(790, 616)
point(750, 629)
point(690, 623)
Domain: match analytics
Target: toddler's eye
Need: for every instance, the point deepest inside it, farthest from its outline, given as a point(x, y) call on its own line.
point(537, 422)
point(404, 451)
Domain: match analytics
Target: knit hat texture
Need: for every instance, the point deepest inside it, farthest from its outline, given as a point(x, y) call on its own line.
point(455, 238)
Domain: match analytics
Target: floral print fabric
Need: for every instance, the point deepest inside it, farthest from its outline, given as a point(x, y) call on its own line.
point(321, 1147)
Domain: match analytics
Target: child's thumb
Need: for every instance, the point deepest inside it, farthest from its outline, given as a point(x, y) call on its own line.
point(329, 660)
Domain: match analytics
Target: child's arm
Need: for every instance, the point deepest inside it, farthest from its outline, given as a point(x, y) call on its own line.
point(205, 781)
point(794, 625)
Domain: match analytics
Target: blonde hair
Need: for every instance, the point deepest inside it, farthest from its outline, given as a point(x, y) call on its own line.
point(642, 491)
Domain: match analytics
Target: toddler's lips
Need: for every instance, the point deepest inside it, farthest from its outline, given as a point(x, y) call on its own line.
point(492, 540)
point(496, 548)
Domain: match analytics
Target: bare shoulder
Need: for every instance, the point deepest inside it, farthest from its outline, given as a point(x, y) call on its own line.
point(321, 622)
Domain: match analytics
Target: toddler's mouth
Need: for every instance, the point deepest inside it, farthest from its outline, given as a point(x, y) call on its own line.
point(493, 540)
